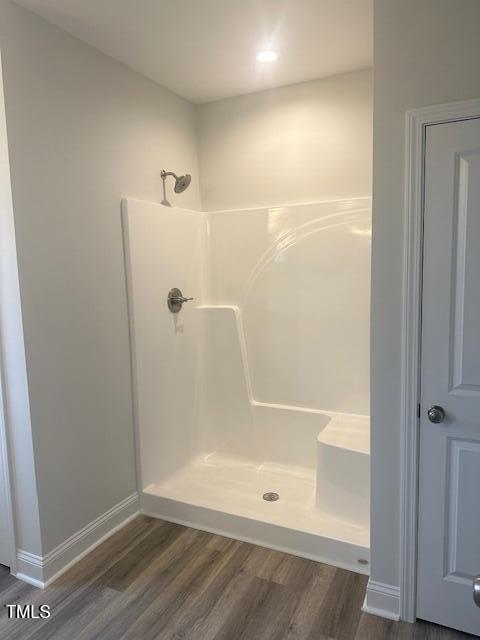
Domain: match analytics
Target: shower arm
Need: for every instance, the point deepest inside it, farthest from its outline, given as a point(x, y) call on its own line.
point(164, 174)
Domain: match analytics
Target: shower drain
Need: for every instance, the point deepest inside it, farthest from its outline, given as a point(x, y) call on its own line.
point(271, 496)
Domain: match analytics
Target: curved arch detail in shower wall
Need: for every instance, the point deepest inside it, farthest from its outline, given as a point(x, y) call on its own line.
point(300, 276)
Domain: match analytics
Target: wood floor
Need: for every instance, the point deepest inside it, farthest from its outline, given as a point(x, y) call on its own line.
point(156, 580)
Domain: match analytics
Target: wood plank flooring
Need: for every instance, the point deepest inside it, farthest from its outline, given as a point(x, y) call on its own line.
point(157, 580)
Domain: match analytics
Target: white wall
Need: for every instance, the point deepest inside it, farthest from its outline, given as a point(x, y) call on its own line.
point(164, 249)
point(84, 131)
point(301, 277)
point(426, 52)
point(302, 143)
point(278, 329)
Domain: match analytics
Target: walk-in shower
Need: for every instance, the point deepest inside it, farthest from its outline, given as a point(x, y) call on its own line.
point(252, 400)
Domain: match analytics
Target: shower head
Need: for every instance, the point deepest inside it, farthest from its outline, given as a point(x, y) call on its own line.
point(182, 182)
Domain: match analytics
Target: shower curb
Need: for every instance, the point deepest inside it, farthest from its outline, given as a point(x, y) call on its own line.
point(339, 553)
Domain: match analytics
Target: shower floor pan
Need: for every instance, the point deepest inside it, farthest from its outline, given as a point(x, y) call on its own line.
point(225, 495)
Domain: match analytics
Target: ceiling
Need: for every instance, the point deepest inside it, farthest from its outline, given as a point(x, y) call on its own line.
point(205, 50)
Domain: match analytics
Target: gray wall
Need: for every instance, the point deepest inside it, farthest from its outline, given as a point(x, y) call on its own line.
point(426, 52)
point(302, 143)
point(83, 131)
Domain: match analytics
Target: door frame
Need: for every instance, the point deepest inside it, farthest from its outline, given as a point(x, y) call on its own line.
point(7, 300)
point(417, 121)
point(7, 483)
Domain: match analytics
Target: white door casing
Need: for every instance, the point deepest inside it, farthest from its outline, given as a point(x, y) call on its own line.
point(4, 530)
point(6, 541)
point(449, 462)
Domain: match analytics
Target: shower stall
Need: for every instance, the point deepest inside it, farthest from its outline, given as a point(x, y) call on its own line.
point(252, 399)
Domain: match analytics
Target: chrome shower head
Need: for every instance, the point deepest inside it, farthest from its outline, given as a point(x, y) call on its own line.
point(182, 182)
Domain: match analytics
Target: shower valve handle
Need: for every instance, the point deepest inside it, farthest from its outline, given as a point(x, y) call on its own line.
point(176, 299)
point(180, 299)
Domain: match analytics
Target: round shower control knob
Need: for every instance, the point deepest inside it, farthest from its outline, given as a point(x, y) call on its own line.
point(436, 414)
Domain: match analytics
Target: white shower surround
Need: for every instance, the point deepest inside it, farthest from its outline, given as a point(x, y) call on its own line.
point(262, 383)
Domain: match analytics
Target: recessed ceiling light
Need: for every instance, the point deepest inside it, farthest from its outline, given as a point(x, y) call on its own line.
point(267, 56)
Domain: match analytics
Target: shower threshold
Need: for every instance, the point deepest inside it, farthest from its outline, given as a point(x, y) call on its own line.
point(224, 495)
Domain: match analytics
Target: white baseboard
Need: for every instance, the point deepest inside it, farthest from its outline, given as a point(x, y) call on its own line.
point(40, 571)
point(382, 600)
point(30, 568)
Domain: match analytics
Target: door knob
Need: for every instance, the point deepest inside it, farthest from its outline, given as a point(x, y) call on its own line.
point(476, 590)
point(436, 414)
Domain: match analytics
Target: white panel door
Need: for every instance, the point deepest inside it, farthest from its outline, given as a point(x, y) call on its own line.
point(449, 471)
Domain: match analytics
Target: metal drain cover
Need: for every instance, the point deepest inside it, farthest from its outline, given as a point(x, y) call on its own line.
point(271, 496)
